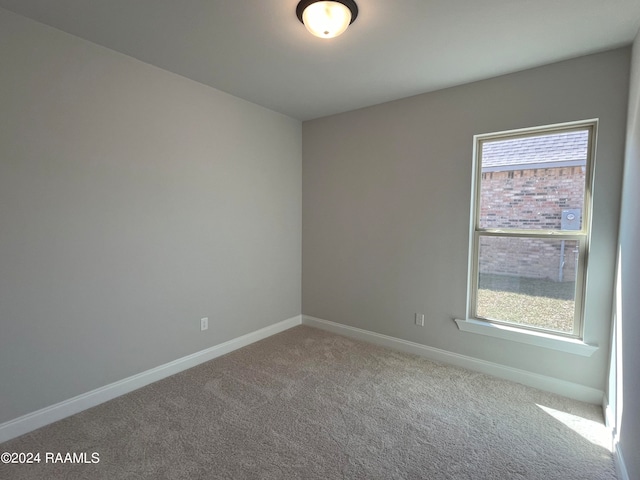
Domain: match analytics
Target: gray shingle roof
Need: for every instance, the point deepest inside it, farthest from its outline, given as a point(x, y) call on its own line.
point(547, 151)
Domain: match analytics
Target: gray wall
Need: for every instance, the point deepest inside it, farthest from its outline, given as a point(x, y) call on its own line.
point(132, 202)
point(386, 202)
point(628, 307)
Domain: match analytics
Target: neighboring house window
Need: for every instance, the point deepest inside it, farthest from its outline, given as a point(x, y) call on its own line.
point(531, 227)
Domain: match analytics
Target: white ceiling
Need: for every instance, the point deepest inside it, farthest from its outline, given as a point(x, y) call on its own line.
point(259, 51)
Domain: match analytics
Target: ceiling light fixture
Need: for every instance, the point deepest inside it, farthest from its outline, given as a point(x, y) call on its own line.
point(327, 19)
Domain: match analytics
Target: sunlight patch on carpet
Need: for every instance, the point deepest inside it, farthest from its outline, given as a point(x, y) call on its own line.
point(595, 432)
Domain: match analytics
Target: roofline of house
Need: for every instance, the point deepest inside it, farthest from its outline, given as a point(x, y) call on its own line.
point(533, 166)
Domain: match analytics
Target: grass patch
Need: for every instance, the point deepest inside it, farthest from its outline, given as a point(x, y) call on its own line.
point(528, 301)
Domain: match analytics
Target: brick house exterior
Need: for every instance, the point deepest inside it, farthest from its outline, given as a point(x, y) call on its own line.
point(527, 183)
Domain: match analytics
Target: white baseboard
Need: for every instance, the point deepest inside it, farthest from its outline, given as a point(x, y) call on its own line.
point(66, 408)
point(618, 458)
point(621, 468)
point(609, 420)
point(550, 384)
point(607, 412)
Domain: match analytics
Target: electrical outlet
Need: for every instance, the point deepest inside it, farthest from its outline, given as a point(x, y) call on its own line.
point(204, 323)
point(420, 319)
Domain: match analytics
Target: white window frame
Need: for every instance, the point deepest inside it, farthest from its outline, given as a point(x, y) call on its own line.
point(569, 342)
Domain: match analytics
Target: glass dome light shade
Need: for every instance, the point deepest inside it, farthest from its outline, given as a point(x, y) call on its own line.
point(326, 19)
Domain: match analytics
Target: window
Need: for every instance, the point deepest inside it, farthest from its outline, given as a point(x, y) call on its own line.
point(531, 225)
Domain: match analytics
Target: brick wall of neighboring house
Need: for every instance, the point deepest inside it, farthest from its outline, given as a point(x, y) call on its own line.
point(529, 258)
point(529, 199)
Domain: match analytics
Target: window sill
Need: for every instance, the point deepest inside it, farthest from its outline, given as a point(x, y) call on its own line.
point(569, 345)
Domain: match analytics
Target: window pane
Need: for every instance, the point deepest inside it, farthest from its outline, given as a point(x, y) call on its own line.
point(528, 281)
point(535, 182)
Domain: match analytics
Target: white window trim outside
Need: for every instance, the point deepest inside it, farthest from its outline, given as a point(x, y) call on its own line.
point(570, 344)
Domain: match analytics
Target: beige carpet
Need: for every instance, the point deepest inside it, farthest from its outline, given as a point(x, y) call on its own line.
point(308, 404)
